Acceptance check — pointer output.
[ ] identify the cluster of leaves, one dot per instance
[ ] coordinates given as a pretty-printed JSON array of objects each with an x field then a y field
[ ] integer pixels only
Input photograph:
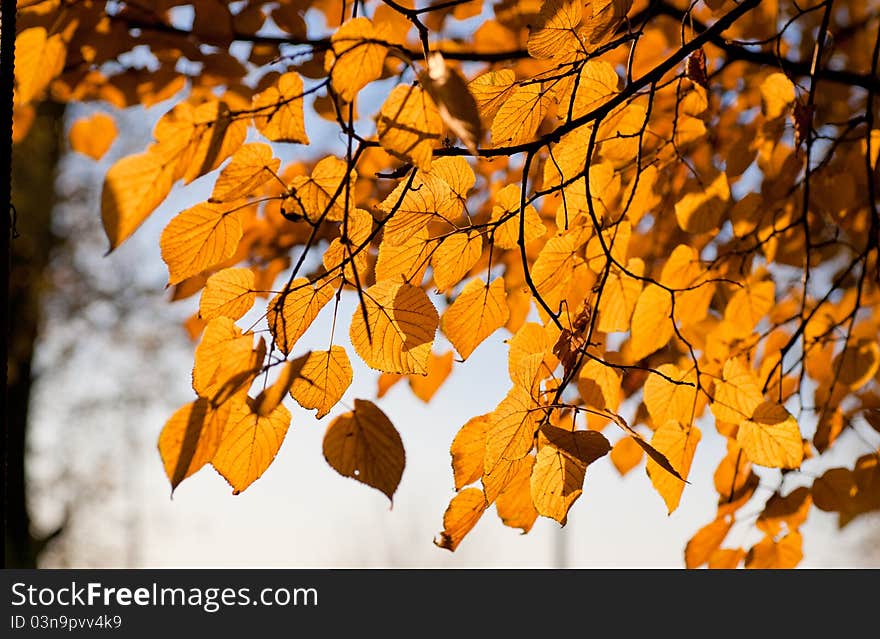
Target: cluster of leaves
[{"x": 661, "y": 206}]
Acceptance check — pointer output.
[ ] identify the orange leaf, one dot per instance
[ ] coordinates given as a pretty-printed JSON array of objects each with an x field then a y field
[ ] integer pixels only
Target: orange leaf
[
  {"x": 678, "y": 443},
  {"x": 512, "y": 429},
  {"x": 514, "y": 503},
  {"x": 439, "y": 368},
  {"x": 322, "y": 379},
  {"x": 462, "y": 514},
  {"x": 291, "y": 312},
  {"x": 190, "y": 438},
  {"x": 279, "y": 110},
  {"x": 476, "y": 313},
  {"x": 228, "y": 293},
  {"x": 771, "y": 554},
  {"x": 355, "y": 58},
  {"x": 92, "y": 136},
  {"x": 251, "y": 166},
  {"x": 364, "y": 445},
  {"x": 250, "y": 443},
  {"x": 409, "y": 125},
  {"x": 707, "y": 540},
  {"x": 199, "y": 238},
  {"x": 468, "y": 449}
]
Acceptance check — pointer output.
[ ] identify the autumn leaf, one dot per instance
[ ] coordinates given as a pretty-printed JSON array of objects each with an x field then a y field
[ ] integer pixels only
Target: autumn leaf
[
  {"x": 512, "y": 428},
  {"x": 707, "y": 540},
  {"x": 468, "y": 449},
  {"x": 251, "y": 166},
  {"x": 771, "y": 437},
  {"x": 291, "y": 312},
  {"x": 320, "y": 195},
  {"x": 777, "y": 93},
  {"x": 364, "y": 445},
  {"x": 321, "y": 380},
  {"x": 476, "y": 313},
  {"x": 671, "y": 400},
  {"x": 357, "y": 56},
  {"x": 555, "y": 34},
  {"x": 225, "y": 360},
  {"x": 228, "y": 293},
  {"x": 454, "y": 257},
  {"x": 514, "y": 503},
  {"x": 678, "y": 443},
  {"x": 93, "y": 136},
  {"x": 394, "y": 329},
  {"x": 278, "y": 111},
  {"x": 771, "y": 554},
  {"x": 133, "y": 188},
  {"x": 190, "y": 438},
  {"x": 439, "y": 367},
  {"x": 462, "y": 514},
  {"x": 250, "y": 443},
  {"x": 455, "y": 104},
  {"x": 199, "y": 238},
  {"x": 409, "y": 125},
  {"x": 39, "y": 58},
  {"x": 519, "y": 117},
  {"x": 491, "y": 90}
]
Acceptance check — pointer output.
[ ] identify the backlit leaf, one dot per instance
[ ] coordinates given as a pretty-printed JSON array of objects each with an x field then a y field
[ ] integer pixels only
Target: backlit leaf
[
  {"x": 251, "y": 166},
  {"x": 290, "y": 313},
  {"x": 707, "y": 540},
  {"x": 678, "y": 442},
  {"x": 228, "y": 293},
  {"x": 454, "y": 257},
  {"x": 771, "y": 437},
  {"x": 667, "y": 401},
  {"x": 278, "y": 111},
  {"x": 190, "y": 438},
  {"x": 462, "y": 514},
  {"x": 199, "y": 238},
  {"x": 249, "y": 445},
  {"x": 777, "y": 93},
  {"x": 468, "y": 449},
  {"x": 771, "y": 554},
  {"x": 555, "y": 33},
  {"x": 357, "y": 58},
  {"x": 364, "y": 445},
  {"x": 512, "y": 428},
  {"x": 475, "y": 314},
  {"x": 439, "y": 368},
  {"x": 518, "y": 119},
  {"x": 321, "y": 380},
  {"x": 39, "y": 58},
  {"x": 398, "y": 331},
  {"x": 409, "y": 125},
  {"x": 514, "y": 503},
  {"x": 652, "y": 326},
  {"x": 92, "y": 136}
]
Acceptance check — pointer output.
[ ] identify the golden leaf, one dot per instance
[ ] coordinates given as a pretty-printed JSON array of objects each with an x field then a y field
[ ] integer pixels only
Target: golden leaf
[
  {"x": 555, "y": 33},
  {"x": 491, "y": 90},
  {"x": 269, "y": 398},
  {"x": 701, "y": 212},
  {"x": 407, "y": 261},
  {"x": 514, "y": 503},
  {"x": 279, "y": 110},
  {"x": 439, "y": 368},
  {"x": 737, "y": 393},
  {"x": 506, "y": 213},
  {"x": 468, "y": 449},
  {"x": 678, "y": 442},
  {"x": 858, "y": 363},
  {"x": 133, "y": 188},
  {"x": 512, "y": 429},
  {"x": 707, "y": 540},
  {"x": 558, "y": 476},
  {"x": 652, "y": 325},
  {"x": 364, "y": 445},
  {"x": 456, "y": 105},
  {"x": 777, "y": 93},
  {"x": 462, "y": 514},
  {"x": 476, "y": 313},
  {"x": 455, "y": 257},
  {"x": 321, "y": 195},
  {"x": 394, "y": 329},
  {"x": 771, "y": 554},
  {"x": 518, "y": 119},
  {"x": 228, "y": 293},
  {"x": 503, "y": 475},
  {"x": 199, "y": 238},
  {"x": 250, "y": 443},
  {"x": 749, "y": 305},
  {"x": 619, "y": 297},
  {"x": 599, "y": 385},
  {"x": 225, "y": 360},
  {"x": 190, "y": 438},
  {"x": 356, "y": 58},
  {"x": 626, "y": 454},
  {"x": 667, "y": 401},
  {"x": 409, "y": 125},
  {"x": 92, "y": 136},
  {"x": 251, "y": 166},
  {"x": 771, "y": 437},
  {"x": 39, "y": 58},
  {"x": 322, "y": 379},
  {"x": 291, "y": 312}
]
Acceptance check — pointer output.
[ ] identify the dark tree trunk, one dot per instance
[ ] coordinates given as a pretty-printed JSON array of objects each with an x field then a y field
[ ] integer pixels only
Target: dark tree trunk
[{"x": 33, "y": 196}]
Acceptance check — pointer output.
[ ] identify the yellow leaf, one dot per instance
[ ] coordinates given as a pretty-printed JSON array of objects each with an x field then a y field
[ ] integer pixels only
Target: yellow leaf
[
  {"x": 737, "y": 393},
  {"x": 439, "y": 368},
  {"x": 749, "y": 305},
  {"x": 619, "y": 133},
  {"x": 468, "y": 449},
  {"x": 456, "y": 105},
  {"x": 667, "y": 401},
  {"x": 225, "y": 360},
  {"x": 462, "y": 514},
  {"x": 455, "y": 257},
  {"x": 364, "y": 445},
  {"x": 512, "y": 429},
  {"x": 190, "y": 438},
  {"x": 133, "y": 187},
  {"x": 249, "y": 445},
  {"x": 491, "y": 90},
  {"x": 476, "y": 313},
  {"x": 407, "y": 261},
  {"x": 652, "y": 326},
  {"x": 597, "y": 82},
  {"x": 291, "y": 312},
  {"x": 355, "y": 58},
  {"x": 322, "y": 379},
  {"x": 228, "y": 293},
  {"x": 558, "y": 476},
  {"x": 197, "y": 239},
  {"x": 777, "y": 93},
  {"x": 726, "y": 558},
  {"x": 251, "y": 166},
  {"x": 409, "y": 125},
  {"x": 92, "y": 136},
  {"x": 506, "y": 208},
  {"x": 555, "y": 32},
  {"x": 321, "y": 195},
  {"x": 393, "y": 330},
  {"x": 678, "y": 443},
  {"x": 619, "y": 297},
  {"x": 269, "y": 398},
  {"x": 514, "y": 503},
  {"x": 707, "y": 540},
  {"x": 771, "y": 554},
  {"x": 857, "y": 364},
  {"x": 626, "y": 454},
  {"x": 39, "y": 58},
  {"x": 429, "y": 199},
  {"x": 518, "y": 119},
  {"x": 359, "y": 226},
  {"x": 599, "y": 386},
  {"x": 771, "y": 437},
  {"x": 279, "y": 110},
  {"x": 701, "y": 212},
  {"x": 601, "y": 19}
]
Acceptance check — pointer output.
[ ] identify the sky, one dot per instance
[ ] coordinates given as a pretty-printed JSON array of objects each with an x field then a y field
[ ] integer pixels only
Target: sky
[{"x": 107, "y": 386}]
